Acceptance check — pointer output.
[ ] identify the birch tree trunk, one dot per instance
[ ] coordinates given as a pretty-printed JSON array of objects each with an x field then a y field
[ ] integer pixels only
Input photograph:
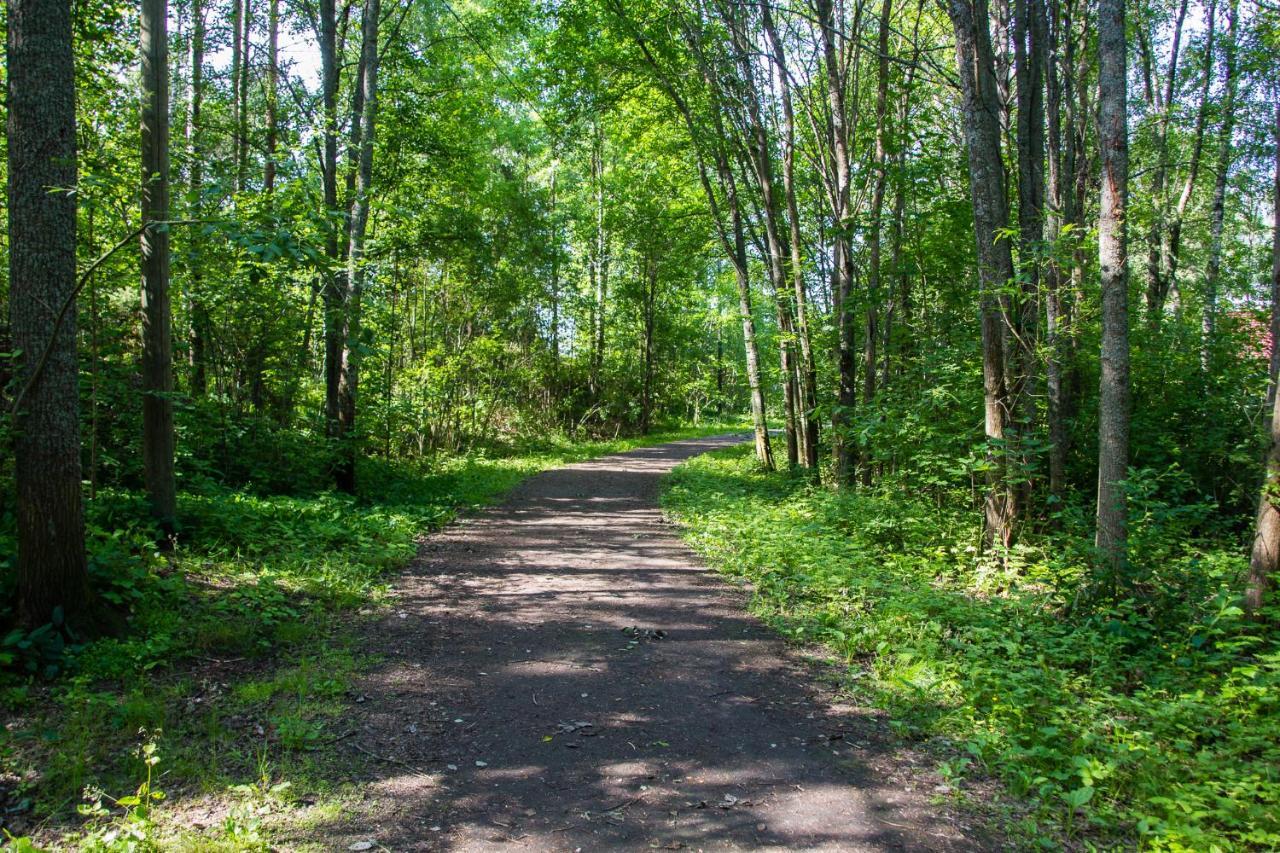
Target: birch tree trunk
[{"x": 1217, "y": 213}]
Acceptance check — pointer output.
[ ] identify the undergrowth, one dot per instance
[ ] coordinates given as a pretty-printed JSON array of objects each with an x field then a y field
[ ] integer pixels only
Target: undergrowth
[
  {"x": 238, "y": 656},
  {"x": 1152, "y": 718}
]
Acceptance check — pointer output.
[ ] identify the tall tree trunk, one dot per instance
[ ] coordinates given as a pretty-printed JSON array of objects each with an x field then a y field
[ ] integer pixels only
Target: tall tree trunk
[
  {"x": 199, "y": 342},
  {"x": 760, "y": 156},
  {"x": 1158, "y": 282},
  {"x": 1264, "y": 562},
  {"x": 843, "y": 448},
  {"x": 807, "y": 376},
  {"x": 995, "y": 261},
  {"x": 1029, "y": 61},
  {"x": 1113, "y": 399},
  {"x": 334, "y": 296},
  {"x": 730, "y": 233},
  {"x": 1217, "y": 215},
  {"x": 1275, "y": 273},
  {"x": 242, "y": 92},
  {"x": 51, "y": 568},
  {"x": 601, "y": 265},
  {"x": 273, "y": 85},
  {"x": 1058, "y": 91},
  {"x": 237, "y": 51},
  {"x": 877, "y": 217},
  {"x": 764, "y": 450},
  {"x": 1174, "y": 245},
  {"x": 357, "y": 270},
  {"x": 650, "y": 305},
  {"x": 157, "y": 343},
  {"x": 555, "y": 280}
]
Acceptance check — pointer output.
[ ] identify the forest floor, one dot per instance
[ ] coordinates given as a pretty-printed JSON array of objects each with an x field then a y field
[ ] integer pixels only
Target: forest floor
[{"x": 559, "y": 672}]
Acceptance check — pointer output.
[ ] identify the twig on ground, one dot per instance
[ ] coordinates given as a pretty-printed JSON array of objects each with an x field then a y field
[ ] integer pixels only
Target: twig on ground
[{"x": 417, "y": 771}]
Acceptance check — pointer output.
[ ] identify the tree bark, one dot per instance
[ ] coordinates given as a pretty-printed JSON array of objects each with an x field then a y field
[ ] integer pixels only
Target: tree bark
[
  {"x": 650, "y": 306},
  {"x": 51, "y": 567},
  {"x": 1157, "y": 281},
  {"x": 1113, "y": 401},
  {"x": 730, "y": 234},
  {"x": 601, "y": 265},
  {"x": 879, "y": 181},
  {"x": 1275, "y": 273},
  {"x": 199, "y": 341},
  {"x": 1058, "y": 214},
  {"x": 805, "y": 368},
  {"x": 357, "y": 270},
  {"x": 995, "y": 261},
  {"x": 334, "y": 297},
  {"x": 273, "y": 84},
  {"x": 242, "y": 93},
  {"x": 1264, "y": 562},
  {"x": 843, "y": 448},
  {"x": 157, "y": 343},
  {"x": 1174, "y": 245},
  {"x": 1029, "y": 68},
  {"x": 1217, "y": 213},
  {"x": 760, "y": 158}
]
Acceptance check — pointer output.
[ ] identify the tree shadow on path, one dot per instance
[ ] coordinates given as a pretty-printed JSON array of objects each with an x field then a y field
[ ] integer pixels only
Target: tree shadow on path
[{"x": 560, "y": 673}]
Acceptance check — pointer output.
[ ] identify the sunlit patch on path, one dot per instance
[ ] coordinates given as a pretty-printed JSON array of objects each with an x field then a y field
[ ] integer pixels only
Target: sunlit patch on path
[{"x": 561, "y": 673}]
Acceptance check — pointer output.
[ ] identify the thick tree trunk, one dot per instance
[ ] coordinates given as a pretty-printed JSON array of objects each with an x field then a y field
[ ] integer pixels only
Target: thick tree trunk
[
  {"x": 357, "y": 270},
  {"x": 1217, "y": 213},
  {"x": 1113, "y": 400},
  {"x": 51, "y": 568},
  {"x": 1264, "y": 562},
  {"x": 995, "y": 261},
  {"x": 157, "y": 343}
]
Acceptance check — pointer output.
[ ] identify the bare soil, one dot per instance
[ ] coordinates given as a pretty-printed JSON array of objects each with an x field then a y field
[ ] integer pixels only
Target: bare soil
[{"x": 561, "y": 673}]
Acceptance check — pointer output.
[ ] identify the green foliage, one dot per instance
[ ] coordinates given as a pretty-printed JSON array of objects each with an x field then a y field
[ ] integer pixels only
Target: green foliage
[{"x": 1154, "y": 717}]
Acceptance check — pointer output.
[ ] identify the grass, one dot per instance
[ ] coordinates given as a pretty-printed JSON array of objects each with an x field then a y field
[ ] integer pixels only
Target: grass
[
  {"x": 239, "y": 659},
  {"x": 1153, "y": 720}
]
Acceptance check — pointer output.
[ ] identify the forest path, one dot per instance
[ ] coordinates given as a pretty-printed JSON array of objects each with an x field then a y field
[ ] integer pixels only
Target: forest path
[{"x": 512, "y": 710}]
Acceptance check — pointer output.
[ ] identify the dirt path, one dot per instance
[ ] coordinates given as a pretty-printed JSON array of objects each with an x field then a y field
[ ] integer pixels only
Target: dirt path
[{"x": 512, "y": 709}]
